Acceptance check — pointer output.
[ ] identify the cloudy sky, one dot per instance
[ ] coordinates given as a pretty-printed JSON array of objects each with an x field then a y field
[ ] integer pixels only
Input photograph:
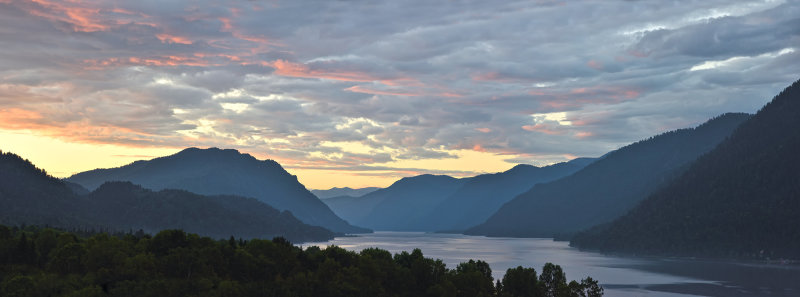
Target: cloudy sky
[{"x": 360, "y": 93}]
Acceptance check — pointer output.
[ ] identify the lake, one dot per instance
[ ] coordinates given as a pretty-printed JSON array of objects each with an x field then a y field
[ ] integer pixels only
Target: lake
[{"x": 620, "y": 276}]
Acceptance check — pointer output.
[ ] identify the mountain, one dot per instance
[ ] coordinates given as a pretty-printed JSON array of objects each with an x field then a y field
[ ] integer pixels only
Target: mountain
[
  {"x": 124, "y": 204},
  {"x": 76, "y": 188},
  {"x": 401, "y": 206},
  {"x": 352, "y": 208},
  {"x": 28, "y": 195},
  {"x": 607, "y": 188},
  {"x": 346, "y": 191},
  {"x": 482, "y": 195},
  {"x": 215, "y": 171},
  {"x": 456, "y": 204},
  {"x": 740, "y": 200}
]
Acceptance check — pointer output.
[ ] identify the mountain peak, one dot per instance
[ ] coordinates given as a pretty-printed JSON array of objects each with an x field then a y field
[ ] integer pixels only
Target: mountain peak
[
  {"x": 424, "y": 178},
  {"x": 522, "y": 166},
  {"x": 214, "y": 171},
  {"x": 212, "y": 152}
]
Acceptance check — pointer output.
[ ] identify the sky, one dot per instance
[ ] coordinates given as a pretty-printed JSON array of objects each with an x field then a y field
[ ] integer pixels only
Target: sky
[{"x": 362, "y": 93}]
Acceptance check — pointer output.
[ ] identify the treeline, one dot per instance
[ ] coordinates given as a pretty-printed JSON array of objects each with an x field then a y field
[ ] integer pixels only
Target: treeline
[
  {"x": 741, "y": 200},
  {"x": 28, "y": 195},
  {"x": 609, "y": 187},
  {"x": 48, "y": 262}
]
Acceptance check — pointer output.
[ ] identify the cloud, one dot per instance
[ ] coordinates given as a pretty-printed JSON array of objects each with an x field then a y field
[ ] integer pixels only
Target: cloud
[{"x": 402, "y": 81}]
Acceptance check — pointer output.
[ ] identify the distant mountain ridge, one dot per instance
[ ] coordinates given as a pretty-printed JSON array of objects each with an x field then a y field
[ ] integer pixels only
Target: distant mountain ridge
[
  {"x": 742, "y": 199},
  {"x": 482, "y": 195},
  {"x": 216, "y": 171},
  {"x": 443, "y": 203},
  {"x": 401, "y": 206},
  {"x": 345, "y": 191},
  {"x": 609, "y": 187},
  {"x": 29, "y": 196}
]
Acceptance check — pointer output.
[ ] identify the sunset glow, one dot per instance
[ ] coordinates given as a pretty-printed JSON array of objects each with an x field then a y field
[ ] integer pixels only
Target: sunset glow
[{"x": 362, "y": 95}]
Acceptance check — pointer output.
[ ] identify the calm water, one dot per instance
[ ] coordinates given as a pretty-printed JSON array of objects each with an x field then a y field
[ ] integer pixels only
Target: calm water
[{"x": 620, "y": 276}]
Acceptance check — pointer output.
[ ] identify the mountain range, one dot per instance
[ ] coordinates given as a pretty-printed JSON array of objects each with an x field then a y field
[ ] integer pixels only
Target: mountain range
[
  {"x": 403, "y": 205},
  {"x": 728, "y": 187},
  {"x": 482, "y": 195},
  {"x": 28, "y": 195},
  {"x": 216, "y": 171},
  {"x": 443, "y": 203},
  {"x": 607, "y": 188},
  {"x": 742, "y": 199},
  {"x": 345, "y": 191}
]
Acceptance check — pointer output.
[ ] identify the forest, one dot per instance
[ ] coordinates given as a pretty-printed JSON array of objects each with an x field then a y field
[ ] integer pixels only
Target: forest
[
  {"x": 28, "y": 195},
  {"x": 37, "y": 261},
  {"x": 741, "y": 200}
]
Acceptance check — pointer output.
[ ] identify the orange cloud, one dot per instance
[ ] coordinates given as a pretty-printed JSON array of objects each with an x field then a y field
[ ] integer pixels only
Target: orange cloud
[
  {"x": 584, "y": 134},
  {"x": 359, "y": 89},
  {"x": 494, "y": 76},
  {"x": 227, "y": 26},
  {"x": 17, "y": 118},
  {"x": 450, "y": 94},
  {"x": 13, "y": 94},
  {"x": 488, "y": 76},
  {"x": 165, "y": 61},
  {"x": 542, "y": 128},
  {"x": 587, "y": 95},
  {"x": 483, "y": 130},
  {"x": 82, "y": 131},
  {"x": 168, "y": 38},
  {"x": 286, "y": 68},
  {"x": 80, "y": 17},
  {"x": 594, "y": 65}
]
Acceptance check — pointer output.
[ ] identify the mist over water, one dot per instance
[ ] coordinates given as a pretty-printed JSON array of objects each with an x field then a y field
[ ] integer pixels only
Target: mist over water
[{"x": 620, "y": 276}]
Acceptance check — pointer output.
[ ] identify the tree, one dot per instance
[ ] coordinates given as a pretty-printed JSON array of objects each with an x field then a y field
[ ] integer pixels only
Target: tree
[
  {"x": 590, "y": 288},
  {"x": 553, "y": 281},
  {"x": 473, "y": 278},
  {"x": 519, "y": 282},
  {"x": 68, "y": 259}
]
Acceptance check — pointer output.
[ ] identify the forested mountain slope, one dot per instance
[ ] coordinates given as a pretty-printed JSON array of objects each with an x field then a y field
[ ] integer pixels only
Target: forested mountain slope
[
  {"x": 28, "y": 195},
  {"x": 609, "y": 187},
  {"x": 224, "y": 172},
  {"x": 740, "y": 200}
]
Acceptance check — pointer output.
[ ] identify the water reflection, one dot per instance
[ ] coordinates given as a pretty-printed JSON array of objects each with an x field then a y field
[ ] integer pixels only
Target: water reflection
[{"x": 620, "y": 276}]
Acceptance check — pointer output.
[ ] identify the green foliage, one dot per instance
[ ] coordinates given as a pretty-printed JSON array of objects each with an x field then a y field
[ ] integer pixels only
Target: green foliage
[
  {"x": 520, "y": 282},
  {"x": 47, "y": 262}
]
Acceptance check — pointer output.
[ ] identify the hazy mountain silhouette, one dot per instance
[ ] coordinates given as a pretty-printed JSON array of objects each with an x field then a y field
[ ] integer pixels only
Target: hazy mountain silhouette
[
  {"x": 455, "y": 204},
  {"x": 482, "y": 195},
  {"x": 124, "y": 204},
  {"x": 346, "y": 191},
  {"x": 224, "y": 172},
  {"x": 28, "y": 195},
  {"x": 401, "y": 206},
  {"x": 76, "y": 188},
  {"x": 607, "y": 188},
  {"x": 740, "y": 200},
  {"x": 352, "y": 208}
]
